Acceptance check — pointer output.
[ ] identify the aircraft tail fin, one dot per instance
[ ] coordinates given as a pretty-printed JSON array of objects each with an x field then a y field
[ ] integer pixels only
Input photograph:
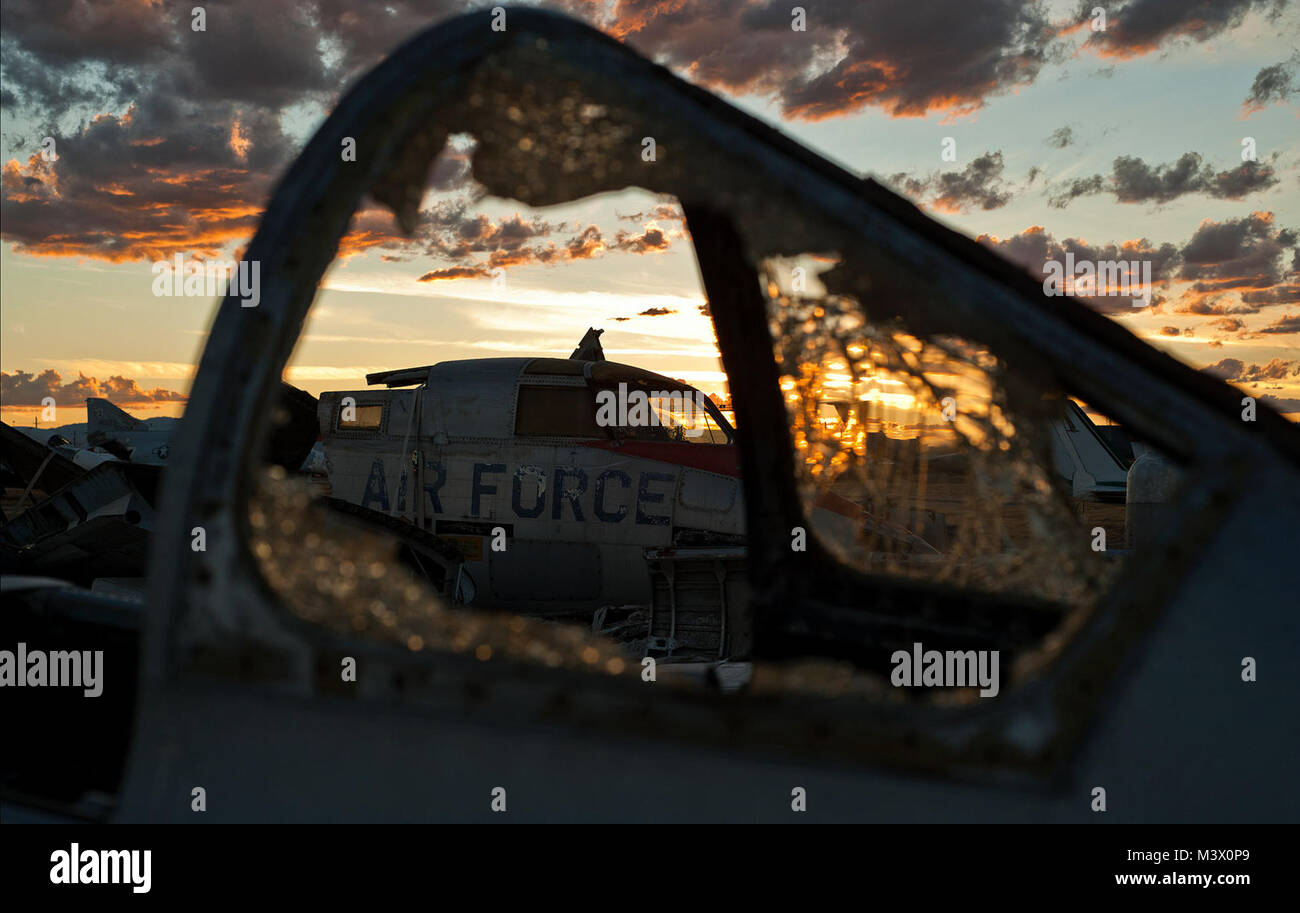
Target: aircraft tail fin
[
  {"x": 1084, "y": 456},
  {"x": 101, "y": 415}
]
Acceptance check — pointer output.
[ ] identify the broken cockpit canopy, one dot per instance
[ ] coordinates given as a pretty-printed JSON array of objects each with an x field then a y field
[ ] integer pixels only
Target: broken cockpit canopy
[
  {"x": 863, "y": 527},
  {"x": 560, "y": 113},
  {"x": 935, "y": 434}
]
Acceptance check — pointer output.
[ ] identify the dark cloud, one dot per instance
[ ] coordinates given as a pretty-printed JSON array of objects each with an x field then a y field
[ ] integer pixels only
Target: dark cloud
[
  {"x": 906, "y": 59},
  {"x": 454, "y": 272},
  {"x": 1226, "y": 369},
  {"x": 185, "y": 161},
  {"x": 656, "y": 312},
  {"x": 652, "y": 239},
  {"x": 1139, "y": 27},
  {"x": 907, "y": 185},
  {"x": 144, "y": 185},
  {"x": 586, "y": 245},
  {"x": 1275, "y": 84},
  {"x": 1227, "y": 324},
  {"x": 1211, "y": 305},
  {"x": 189, "y": 163},
  {"x": 1284, "y": 294},
  {"x": 1288, "y": 324},
  {"x": 1034, "y": 247},
  {"x": 1280, "y": 403},
  {"x": 979, "y": 184},
  {"x": 1246, "y": 178},
  {"x": 1237, "y": 255},
  {"x": 1278, "y": 369},
  {"x": 186, "y": 157},
  {"x": 668, "y": 211},
  {"x": 1226, "y": 268},
  {"x": 452, "y": 235},
  {"x": 23, "y": 389},
  {"x": 1170, "y": 331},
  {"x": 1134, "y": 181},
  {"x": 1061, "y": 137},
  {"x": 1079, "y": 187}
]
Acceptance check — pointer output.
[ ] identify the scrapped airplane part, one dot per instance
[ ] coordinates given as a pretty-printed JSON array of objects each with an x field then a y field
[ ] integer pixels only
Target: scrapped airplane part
[
  {"x": 293, "y": 428},
  {"x": 97, "y": 525},
  {"x": 430, "y": 558},
  {"x": 114, "y": 433},
  {"x": 36, "y": 466},
  {"x": 124, "y": 589},
  {"x": 589, "y": 347},
  {"x": 1085, "y": 459},
  {"x": 1151, "y": 494},
  {"x": 89, "y": 459},
  {"x": 124, "y": 436},
  {"x": 96, "y": 521},
  {"x": 232, "y": 663},
  {"x": 13, "y": 583},
  {"x": 103, "y": 416},
  {"x": 700, "y": 604},
  {"x": 699, "y": 612}
]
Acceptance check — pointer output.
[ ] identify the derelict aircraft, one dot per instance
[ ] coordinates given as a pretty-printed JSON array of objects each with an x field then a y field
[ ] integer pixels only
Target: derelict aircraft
[
  {"x": 555, "y": 513},
  {"x": 515, "y": 444},
  {"x": 112, "y": 433}
]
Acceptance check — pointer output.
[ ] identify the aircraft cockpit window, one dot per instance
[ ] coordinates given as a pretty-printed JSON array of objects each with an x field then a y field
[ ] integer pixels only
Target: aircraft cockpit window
[
  {"x": 556, "y": 412},
  {"x": 678, "y": 416},
  {"x": 361, "y": 418}
]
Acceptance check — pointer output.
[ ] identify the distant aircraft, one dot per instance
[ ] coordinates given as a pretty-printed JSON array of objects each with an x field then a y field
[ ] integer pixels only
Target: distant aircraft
[
  {"x": 108, "y": 434},
  {"x": 1085, "y": 459},
  {"x": 111, "y": 433},
  {"x": 111, "y": 429},
  {"x": 85, "y": 512},
  {"x": 554, "y": 511}
]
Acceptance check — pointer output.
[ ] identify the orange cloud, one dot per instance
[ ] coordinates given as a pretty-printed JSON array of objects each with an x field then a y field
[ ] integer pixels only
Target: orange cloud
[{"x": 24, "y": 389}]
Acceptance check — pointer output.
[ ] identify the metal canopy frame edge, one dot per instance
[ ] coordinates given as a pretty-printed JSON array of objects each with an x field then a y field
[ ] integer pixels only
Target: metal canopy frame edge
[{"x": 219, "y": 595}]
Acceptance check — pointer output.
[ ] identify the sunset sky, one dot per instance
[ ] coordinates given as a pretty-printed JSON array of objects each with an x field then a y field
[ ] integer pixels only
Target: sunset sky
[{"x": 1125, "y": 143}]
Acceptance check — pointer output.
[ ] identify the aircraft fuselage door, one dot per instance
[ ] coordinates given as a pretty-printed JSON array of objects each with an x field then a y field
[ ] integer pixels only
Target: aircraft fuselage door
[
  {"x": 549, "y": 561},
  {"x": 431, "y": 474}
]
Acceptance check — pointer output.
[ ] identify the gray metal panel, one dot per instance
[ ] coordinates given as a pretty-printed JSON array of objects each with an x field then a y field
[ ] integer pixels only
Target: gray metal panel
[{"x": 476, "y": 396}]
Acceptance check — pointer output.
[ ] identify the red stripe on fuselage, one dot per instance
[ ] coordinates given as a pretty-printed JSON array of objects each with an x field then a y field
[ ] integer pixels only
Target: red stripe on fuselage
[
  {"x": 718, "y": 458},
  {"x": 722, "y": 459}
]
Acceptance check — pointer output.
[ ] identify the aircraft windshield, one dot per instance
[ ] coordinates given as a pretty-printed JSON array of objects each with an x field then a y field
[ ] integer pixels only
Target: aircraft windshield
[
  {"x": 682, "y": 415},
  {"x": 685, "y": 420}
]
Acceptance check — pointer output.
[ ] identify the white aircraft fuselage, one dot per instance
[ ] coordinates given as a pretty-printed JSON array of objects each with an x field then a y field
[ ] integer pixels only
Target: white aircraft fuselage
[{"x": 553, "y": 512}]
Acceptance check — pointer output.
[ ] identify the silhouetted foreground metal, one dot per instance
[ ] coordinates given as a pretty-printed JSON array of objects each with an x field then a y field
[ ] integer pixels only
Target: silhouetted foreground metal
[{"x": 236, "y": 694}]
